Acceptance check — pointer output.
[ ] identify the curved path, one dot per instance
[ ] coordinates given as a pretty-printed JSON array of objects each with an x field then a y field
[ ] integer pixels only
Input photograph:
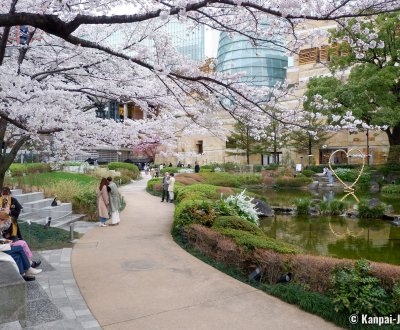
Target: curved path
[{"x": 134, "y": 276}]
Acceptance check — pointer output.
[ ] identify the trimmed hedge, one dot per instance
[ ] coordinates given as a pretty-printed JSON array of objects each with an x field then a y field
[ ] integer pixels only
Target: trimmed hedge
[
  {"x": 131, "y": 169},
  {"x": 236, "y": 222},
  {"x": 252, "y": 241},
  {"x": 229, "y": 180},
  {"x": 197, "y": 191},
  {"x": 170, "y": 170}
]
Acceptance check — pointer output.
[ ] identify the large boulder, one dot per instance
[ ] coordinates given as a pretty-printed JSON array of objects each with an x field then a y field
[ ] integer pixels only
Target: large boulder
[
  {"x": 374, "y": 187},
  {"x": 263, "y": 208},
  {"x": 373, "y": 203}
]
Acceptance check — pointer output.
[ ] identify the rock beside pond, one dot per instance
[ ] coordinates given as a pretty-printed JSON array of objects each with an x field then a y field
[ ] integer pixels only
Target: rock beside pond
[
  {"x": 264, "y": 209},
  {"x": 313, "y": 186},
  {"x": 374, "y": 187},
  {"x": 352, "y": 214},
  {"x": 373, "y": 203},
  {"x": 389, "y": 209},
  {"x": 313, "y": 210}
]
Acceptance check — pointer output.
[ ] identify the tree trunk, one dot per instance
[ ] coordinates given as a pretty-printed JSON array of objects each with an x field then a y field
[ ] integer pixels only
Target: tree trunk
[
  {"x": 394, "y": 145},
  {"x": 309, "y": 149}
]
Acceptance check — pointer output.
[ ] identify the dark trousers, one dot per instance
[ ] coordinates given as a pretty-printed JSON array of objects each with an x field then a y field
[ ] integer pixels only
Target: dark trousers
[
  {"x": 165, "y": 195},
  {"x": 20, "y": 258}
]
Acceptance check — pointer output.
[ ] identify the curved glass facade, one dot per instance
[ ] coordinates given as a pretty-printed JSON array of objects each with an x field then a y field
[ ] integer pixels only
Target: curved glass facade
[{"x": 264, "y": 65}]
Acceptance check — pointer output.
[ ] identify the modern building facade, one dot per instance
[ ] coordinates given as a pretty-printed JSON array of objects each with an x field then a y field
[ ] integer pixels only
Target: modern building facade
[{"x": 265, "y": 65}]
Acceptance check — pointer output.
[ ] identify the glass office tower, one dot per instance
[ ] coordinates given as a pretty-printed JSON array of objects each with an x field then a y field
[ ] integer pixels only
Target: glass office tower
[{"x": 264, "y": 65}]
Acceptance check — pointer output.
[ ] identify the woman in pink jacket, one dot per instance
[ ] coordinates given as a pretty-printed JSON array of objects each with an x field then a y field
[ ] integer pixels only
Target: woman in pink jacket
[{"x": 102, "y": 202}]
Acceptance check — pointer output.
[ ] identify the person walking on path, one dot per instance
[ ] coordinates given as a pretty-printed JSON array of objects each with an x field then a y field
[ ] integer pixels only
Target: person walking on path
[
  {"x": 103, "y": 202},
  {"x": 196, "y": 167},
  {"x": 115, "y": 201},
  {"x": 165, "y": 194},
  {"x": 171, "y": 184}
]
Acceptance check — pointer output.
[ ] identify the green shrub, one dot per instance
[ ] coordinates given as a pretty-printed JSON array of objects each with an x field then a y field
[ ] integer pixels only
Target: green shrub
[
  {"x": 323, "y": 207},
  {"x": 320, "y": 168},
  {"x": 131, "y": 169},
  {"x": 194, "y": 211},
  {"x": 170, "y": 170},
  {"x": 391, "y": 189},
  {"x": 337, "y": 207},
  {"x": 396, "y": 297},
  {"x": 224, "y": 208},
  {"x": 351, "y": 175},
  {"x": 302, "y": 205},
  {"x": 236, "y": 222},
  {"x": 298, "y": 181},
  {"x": 308, "y": 173},
  {"x": 221, "y": 179},
  {"x": 356, "y": 291},
  {"x": 271, "y": 167},
  {"x": 248, "y": 179},
  {"x": 207, "y": 167},
  {"x": 86, "y": 203},
  {"x": 121, "y": 180},
  {"x": 32, "y": 168},
  {"x": 152, "y": 182},
  {"x": 207, "y": 170},
  {"x": 367, "y": 212},
  {"x": 258, "y": 168},
  {"x": 197, "y": 191},
  {"x": 252, "y": 241}
]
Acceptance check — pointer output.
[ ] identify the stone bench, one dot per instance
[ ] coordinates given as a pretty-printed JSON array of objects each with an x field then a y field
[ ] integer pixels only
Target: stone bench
[{"x": 12, "y": 295}]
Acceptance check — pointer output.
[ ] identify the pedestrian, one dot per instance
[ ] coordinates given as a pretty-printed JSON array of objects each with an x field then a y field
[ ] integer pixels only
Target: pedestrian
[
  {"x": 102, "y": 202},
  {"x": 115, "y": 201},
  {"x": 171, "y": 184},
  {"x": 152, "y": 172},
  {"x": 165, "y": 194},
  {"x": 196, "y": 167},
  {"x": 170, "y": 165}
]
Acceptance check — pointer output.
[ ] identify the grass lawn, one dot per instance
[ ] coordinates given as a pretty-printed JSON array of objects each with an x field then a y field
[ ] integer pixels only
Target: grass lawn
[{"x": 39, "y": 238}]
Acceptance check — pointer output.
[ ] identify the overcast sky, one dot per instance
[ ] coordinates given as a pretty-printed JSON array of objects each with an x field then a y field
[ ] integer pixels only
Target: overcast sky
[{"x": 211, "y": 36}]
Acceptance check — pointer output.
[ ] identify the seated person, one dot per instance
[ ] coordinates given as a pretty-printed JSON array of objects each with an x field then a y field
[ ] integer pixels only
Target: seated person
[
  {"x": 13, "y": 207},
  {"x": 5, "y": 224},
  {"x": 20, "y": 258}
]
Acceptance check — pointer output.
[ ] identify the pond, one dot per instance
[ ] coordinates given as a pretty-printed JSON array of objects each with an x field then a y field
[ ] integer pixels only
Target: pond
[{"x": 341, "y": 237}]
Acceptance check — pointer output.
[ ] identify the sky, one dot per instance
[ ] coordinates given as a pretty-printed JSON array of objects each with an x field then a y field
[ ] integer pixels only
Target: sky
[{"x": 211, "y": 36}]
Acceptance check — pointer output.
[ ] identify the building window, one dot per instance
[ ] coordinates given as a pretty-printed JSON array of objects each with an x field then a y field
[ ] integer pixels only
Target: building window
[
  {"x": 199, "y": 146},
  {"x": 309, "y": 55}
]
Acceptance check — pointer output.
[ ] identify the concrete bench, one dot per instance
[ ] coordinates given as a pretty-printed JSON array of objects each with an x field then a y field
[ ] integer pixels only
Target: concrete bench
[{"x": 13, "y": 294}]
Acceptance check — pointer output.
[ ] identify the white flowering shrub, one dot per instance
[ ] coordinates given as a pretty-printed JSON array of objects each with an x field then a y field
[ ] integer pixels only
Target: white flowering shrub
[{"x": 244, "y": 206}]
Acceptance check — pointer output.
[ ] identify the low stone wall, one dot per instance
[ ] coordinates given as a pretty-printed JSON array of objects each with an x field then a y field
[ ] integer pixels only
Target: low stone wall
[{"x": 12, "y": 295}]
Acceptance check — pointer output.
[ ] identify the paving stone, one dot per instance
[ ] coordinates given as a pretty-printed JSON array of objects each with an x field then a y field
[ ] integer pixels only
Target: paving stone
[
  {"x": 68, "y": 312},
  {"x": 90, "y": 324},
  {"x": 42, "y": 311},
  {"x": 10, "y": 326},
  {"x": 82, "y": 312},
  {"x": 35, "y": 291}
]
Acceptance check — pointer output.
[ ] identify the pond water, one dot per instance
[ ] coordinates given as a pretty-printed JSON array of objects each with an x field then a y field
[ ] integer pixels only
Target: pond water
[{"x": 341, "y": 237}]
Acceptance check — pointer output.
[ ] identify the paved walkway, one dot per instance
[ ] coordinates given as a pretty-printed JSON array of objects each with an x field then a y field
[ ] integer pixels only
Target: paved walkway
[{"x": 134, "y": 276}]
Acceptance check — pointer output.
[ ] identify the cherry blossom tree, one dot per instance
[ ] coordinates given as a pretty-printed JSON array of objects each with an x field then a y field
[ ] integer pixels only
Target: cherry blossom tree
[{"x": 66, "y": 65}]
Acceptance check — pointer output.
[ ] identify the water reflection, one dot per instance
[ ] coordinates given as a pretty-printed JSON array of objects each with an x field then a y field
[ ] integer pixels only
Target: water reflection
[{"x": 338, "y": 236}]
